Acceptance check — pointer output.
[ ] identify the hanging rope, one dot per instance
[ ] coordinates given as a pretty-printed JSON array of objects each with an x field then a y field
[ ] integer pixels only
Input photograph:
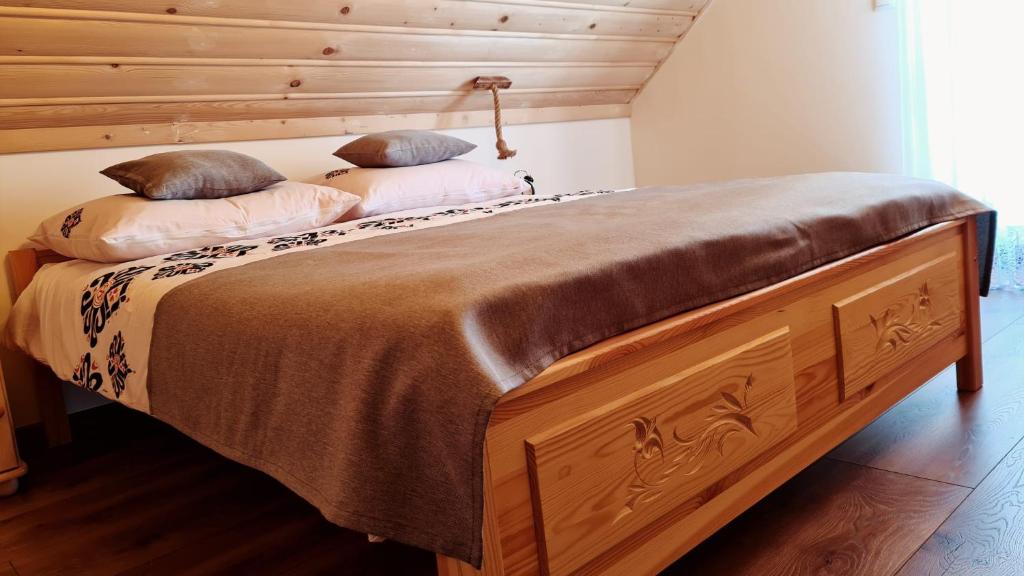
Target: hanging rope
[{"x": 504, "y": 152}]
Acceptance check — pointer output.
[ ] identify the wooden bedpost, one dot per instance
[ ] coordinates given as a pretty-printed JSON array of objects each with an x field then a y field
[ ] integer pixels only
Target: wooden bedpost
[
  {"x": 968, "y": 368},
  {"x": 24, "y": 265}
]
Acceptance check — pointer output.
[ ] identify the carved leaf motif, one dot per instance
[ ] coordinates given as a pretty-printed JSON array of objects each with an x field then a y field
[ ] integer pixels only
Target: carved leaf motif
[
  {"x": 648, "y": 438},
  {"x": 732, "y": 401},
  {"x": 892, "y": 332},
  {"x": 726, "y": 421}
]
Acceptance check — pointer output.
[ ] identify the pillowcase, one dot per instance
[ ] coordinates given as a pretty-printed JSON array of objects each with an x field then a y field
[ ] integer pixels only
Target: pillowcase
[
  {"x": 189, "y": 174},
  {"x": 402, "y": 148},
  {"x": 128, "y": 227},
  {"x": 447, "y": 183}
]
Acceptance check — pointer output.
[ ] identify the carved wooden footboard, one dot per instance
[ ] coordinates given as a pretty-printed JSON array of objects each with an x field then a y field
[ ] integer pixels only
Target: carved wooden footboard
[{"x": 621, "y": 458}]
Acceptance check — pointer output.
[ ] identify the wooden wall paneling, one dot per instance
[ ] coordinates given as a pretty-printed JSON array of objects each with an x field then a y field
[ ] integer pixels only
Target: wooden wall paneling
[
  {"x": 98, "y": 73},
  {"x": 689, "y": 5},
  {"x": 57, "y": 80},
  {"x": 505, "y": 16},
  {"x": 223, "y": 108},
  {"x": 198, "y": 38},
  {"x": 79, "y": 137}
]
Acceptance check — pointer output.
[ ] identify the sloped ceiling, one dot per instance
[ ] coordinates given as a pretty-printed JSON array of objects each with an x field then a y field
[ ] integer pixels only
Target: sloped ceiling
[{"x": 96, "y": 73}]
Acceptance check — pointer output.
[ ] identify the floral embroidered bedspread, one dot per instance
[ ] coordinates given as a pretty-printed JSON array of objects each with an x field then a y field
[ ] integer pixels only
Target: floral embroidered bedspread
[{"x": 92, "y": 322}]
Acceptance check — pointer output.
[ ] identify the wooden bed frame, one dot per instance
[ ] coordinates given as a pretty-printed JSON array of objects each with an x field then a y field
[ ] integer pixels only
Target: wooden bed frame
[{"x": 622, "y": 457}]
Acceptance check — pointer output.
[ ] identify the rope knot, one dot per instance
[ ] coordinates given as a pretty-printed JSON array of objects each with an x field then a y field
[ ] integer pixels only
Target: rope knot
[{"x": 504, "y": 152}]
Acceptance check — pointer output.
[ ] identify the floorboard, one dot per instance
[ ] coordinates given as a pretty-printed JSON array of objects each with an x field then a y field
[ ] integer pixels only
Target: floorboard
[
  {"x": 1000, "y": 309},
  {"x": 131, "y": 496},
  {"x": 833, "y": 518},
  {"x": 985, "y": 536},
  {"x": 956, "y": 438}
]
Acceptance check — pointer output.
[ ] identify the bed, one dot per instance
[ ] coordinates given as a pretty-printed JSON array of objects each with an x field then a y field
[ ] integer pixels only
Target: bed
[{"x": 626, "y": 453}]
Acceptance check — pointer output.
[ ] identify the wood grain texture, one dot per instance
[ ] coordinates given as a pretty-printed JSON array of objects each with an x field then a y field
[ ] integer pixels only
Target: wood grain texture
[
  {"x": 222, "y": 108},
  {"x": 999, "y": 310},
  {"x": 75, "y": 137},
  {"x": 882, "y": 327},
  {"x": 969, "y": 373},
  {"x": 55, "y": 80},
  {"x": 23, "y": 265},
  {"x": 529, "y": 16},
  {"x": 915, "y": 437},
  {"x": 833, "y": 518},
  {"x": 608, "y": 473},
  {"x": 313, "y": 59},
  {"x": 685, "y": 528},
  {"x": 621, "y": 366},
  {"x": 8, "y": 451},
  {"x": 698, "y": 323},
  {"x": 134, "y": 497},
  {"x": 985, "y": 536},
  {"x": 36, "y": 37}
]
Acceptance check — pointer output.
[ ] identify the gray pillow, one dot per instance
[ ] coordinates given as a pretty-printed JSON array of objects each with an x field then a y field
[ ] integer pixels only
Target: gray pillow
[
  {"x": 194, "y": 174},
  {"x": 402, "y": 148}
]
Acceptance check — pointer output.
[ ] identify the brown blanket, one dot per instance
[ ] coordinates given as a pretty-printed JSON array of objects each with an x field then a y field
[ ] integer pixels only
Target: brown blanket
[{"x": 362, "y": 375}]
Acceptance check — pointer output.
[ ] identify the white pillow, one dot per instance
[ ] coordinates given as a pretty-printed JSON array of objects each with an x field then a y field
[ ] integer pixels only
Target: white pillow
[
  {"x": 129, "y": 227},
  {"x": 445, "y": 183}
]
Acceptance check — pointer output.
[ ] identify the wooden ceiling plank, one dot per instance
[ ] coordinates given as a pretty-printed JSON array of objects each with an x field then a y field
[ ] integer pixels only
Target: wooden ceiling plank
[
  {"x": 107, "y": 16},
  {"x": 70, "y": 80},
  {"x": 168, "y": 99},
  {"x": 591, "y": 7},
  {"x": 98, "y": 73},
  {"x": 118, "y": 61},
  {"x": 436, "y": 15},
  {"x": 679, "y": 5},
  {"x": 33, "y": 37},
  {"x": 20, "y": 117},
  {"x": 83, "y": 137}
]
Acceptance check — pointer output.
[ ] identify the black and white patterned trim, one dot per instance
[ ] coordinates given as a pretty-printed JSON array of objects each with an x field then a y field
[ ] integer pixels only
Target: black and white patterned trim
[
  {"x": 304, "y": 239},
  {"x": 181, "y": 269},
  {"x": 212, "y": 253},
  {"x": 72, "y": 220},
  {"x": 103, "y": 298}
]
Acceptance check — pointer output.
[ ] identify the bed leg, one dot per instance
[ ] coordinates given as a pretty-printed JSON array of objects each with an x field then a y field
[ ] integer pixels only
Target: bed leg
[
  {"x": 968, "y": 368},
  {"x": 52, "y": 410},
  {"x": 8, "y": 487},
  {"x": 9, "y": 480}
]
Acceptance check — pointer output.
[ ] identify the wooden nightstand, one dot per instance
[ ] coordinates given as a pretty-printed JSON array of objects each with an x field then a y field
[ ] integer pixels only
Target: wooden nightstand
[{"x": 11, "y": 467}]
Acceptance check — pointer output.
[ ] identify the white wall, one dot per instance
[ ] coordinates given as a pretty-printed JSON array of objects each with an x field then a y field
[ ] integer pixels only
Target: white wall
[
  {"x": 769, "y": 87},
  {"x": 562, "y": 157}
]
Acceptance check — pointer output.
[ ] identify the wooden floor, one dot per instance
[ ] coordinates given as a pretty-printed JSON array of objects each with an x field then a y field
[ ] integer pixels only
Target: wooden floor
[{"x": 935, "y": 486}]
